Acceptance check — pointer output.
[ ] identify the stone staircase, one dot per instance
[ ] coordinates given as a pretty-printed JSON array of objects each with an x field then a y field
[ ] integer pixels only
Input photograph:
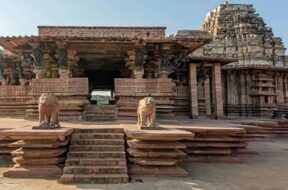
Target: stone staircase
[
  {"x": 99, "y": 113},
  {"x": 96, "y": 156},
  {"x": 13, "y": 110}
]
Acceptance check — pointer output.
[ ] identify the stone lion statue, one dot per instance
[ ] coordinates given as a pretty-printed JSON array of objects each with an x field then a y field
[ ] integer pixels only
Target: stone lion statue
[
  {"x": 48, "y": 111},
  {"x": 146, "y": 112}
]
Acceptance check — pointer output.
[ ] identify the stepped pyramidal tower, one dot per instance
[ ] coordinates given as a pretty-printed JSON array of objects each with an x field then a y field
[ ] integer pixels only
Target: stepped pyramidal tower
[
  {"x": 240, "y": 33},
  {"x": 255, "y": 84}
]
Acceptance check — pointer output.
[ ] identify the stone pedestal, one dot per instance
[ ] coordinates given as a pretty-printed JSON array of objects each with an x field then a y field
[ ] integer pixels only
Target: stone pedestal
[
  {"x": 3, "y": 82},
  {"x": 64, "y": 73},
  {"x": 39, "y": 151},
  {"x": 39, "y": 73},
  {"x": 156, "y": 152},
  {"x": 24, "y": 82},
  {"x": 164, "y": 74},
  {"x": 138, "y": 73}
]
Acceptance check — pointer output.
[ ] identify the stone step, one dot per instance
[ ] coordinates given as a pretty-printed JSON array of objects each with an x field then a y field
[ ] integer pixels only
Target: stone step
[
  {"x": 77, "y": 136},
  {"x": 102, "y": 130},
  {"x": 102, "y": 112},
  {"x": 93, "y": 118},
  {"x": 96, "y": 148},
  {"x": 94, "y": 154},
  {"x": 96, "y": 161},
  {"x": 97, "y": 141},
  {"x": 95, "y": 170},
  {"x": 94, "y": 178}
]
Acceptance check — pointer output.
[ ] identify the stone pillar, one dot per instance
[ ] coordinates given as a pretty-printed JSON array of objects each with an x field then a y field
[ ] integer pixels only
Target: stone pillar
[
  {"x": 193, "y": 90},
  {"x": 164, "y": 52},
  {"x": 218, "y": 99},
  {"x": 37, "y": 50},
  {"x": 139, "y": 59},
  {"x": 2, "y": 79},
  {"x": 62, "y": 55},
  {"x": 207, "y": 97},
  {"x": 280, "y": 90}
]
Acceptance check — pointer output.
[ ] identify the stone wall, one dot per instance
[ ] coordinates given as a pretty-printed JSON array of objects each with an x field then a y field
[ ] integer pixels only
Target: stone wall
[
  {"x": 71, "y": 93},
  {"x": 103, "y": 32}
]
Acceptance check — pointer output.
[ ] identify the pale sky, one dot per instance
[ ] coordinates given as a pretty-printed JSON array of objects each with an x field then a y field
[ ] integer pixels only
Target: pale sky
[{"x": 21, "y": 17}]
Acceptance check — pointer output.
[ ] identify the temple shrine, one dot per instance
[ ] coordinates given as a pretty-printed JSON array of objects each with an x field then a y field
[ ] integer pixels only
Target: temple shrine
[
  {"x": 127, "y": 63},
  {"x": 233, "y": 66}
]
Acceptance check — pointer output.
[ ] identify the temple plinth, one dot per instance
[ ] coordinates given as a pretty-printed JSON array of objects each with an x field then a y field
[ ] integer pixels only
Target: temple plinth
[{"x": 38, "y": 152}]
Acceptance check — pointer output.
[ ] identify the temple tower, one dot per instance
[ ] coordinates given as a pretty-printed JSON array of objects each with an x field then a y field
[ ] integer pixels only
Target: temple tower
[{"x": 255, "y": 84}]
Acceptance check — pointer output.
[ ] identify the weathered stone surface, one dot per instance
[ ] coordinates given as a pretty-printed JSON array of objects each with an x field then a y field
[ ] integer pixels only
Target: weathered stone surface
[
  {"x": 48, "y": 109},
  {"x": 215, "y": 158},
  {"x": 156, "y": 153},
  {"x": 102, "y": 32},
  {"x": 94, "y": 178},
  {"x": 96, "y": 156},
  {"x": 27, "y": 133},
  {"x": 39, "y": 144},
  {"x": 155, "y": 161},
  {"x": 34, "y": 171},
  {"x": 158, "y": 135},
  {"x": 146, "y": 112},
  {"x": 155, "y": 145},
  {"x": 172, "y": 171},
  {"x": 38, "y": 152},
  {"x": 37, "y": 161}
]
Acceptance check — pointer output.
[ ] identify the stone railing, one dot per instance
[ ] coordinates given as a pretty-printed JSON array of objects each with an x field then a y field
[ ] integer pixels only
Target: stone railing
[
  {"x": 61, "y": 87},
  {"x": 70, "y": 86},
  {"x": 145, "y": 87},
  {"x": 12, "y": 91}
]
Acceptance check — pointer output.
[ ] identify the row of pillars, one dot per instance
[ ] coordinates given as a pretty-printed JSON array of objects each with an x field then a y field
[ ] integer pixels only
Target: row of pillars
[
  {"x": 216, "y": 89},
  {"x": 41, "y": 55}
]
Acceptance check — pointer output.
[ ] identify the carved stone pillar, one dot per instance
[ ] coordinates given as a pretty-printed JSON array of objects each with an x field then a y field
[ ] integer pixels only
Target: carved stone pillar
[
  {"x": 193, "y": 90},
  {"x": 218, "y": 99},
  {"x": 280, "y": 90},
  {"x": 37, "y": 50},
  {"x": 139, "y": 59},
  {"x": 2, "y": 79},
  {"x": 164, "y": 53},
  {"x": 207, "y": 97},
  {"x": 62, "y": 55}
]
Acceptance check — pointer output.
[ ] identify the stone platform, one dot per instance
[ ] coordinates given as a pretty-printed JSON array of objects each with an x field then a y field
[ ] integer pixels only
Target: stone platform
[
  {"x": 38, "y": 153},
  {"x": 156, "y": 152}
]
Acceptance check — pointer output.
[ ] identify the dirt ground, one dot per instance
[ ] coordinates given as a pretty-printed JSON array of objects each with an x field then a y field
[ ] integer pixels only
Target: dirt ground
[{"x": 267, "y": 170}]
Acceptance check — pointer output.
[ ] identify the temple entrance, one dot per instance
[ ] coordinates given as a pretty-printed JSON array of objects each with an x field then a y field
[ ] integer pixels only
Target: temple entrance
[{"x": 101, "y": 78}]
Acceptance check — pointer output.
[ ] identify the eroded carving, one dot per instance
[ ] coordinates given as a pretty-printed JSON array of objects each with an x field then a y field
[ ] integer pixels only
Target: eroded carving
[
  {"x": 48, "y": 112},
  {"x": 146, "y": 112}
]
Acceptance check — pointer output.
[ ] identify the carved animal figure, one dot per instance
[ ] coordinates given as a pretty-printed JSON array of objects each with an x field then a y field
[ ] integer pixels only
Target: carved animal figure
[
  {"x": 48, "y": 111},
  {"x": 146, "y": 112}
]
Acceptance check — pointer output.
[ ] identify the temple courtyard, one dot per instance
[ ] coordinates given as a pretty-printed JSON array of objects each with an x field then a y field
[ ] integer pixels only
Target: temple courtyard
[{"x": 265, "y": 167}]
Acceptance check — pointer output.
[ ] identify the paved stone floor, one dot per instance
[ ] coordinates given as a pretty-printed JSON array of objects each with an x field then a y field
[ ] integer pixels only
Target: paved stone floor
[{"x": 268, "y": 170}]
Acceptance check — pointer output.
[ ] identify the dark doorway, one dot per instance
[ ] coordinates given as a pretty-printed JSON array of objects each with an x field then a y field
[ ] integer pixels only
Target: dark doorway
[{"x": 102, "y": 79}]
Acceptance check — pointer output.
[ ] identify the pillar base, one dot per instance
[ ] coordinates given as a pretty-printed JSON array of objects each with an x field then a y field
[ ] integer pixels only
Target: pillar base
[{"x": 64, "y": 73}]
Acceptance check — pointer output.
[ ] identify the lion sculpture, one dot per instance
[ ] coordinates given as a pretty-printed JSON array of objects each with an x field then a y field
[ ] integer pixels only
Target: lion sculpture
[
  {"x": 48, "y": 112},
  {"x": 146, "y": 112}
]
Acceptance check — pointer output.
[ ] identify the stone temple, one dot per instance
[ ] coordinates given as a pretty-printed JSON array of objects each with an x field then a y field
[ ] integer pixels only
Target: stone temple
[{"x": 233, "y": 66}]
